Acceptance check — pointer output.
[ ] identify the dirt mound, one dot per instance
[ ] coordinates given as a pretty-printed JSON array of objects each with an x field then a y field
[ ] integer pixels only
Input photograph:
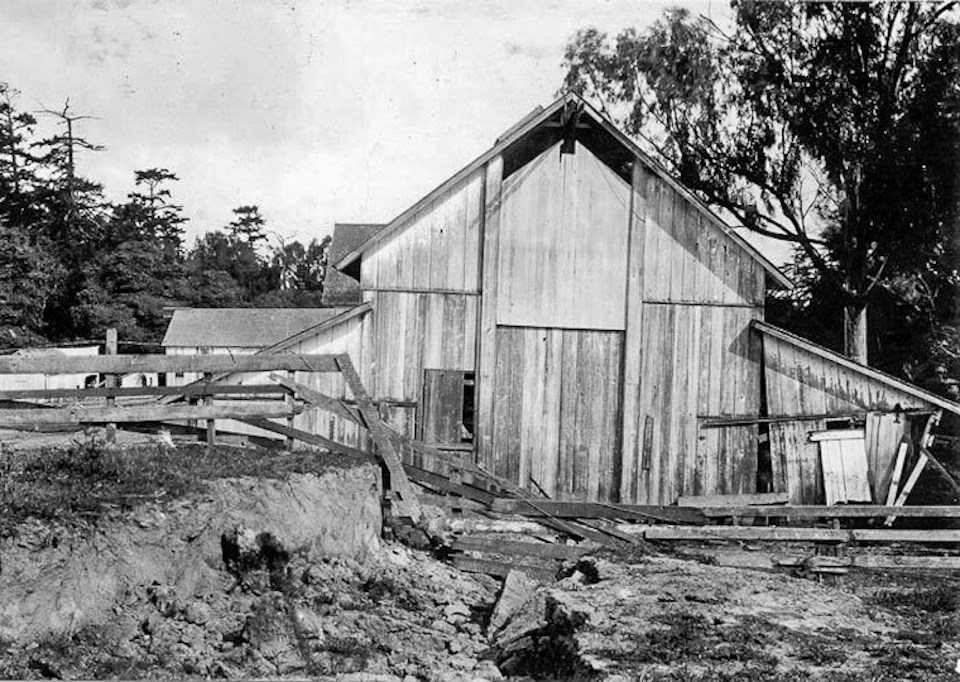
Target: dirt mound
[{"x": 60, "y": 578}]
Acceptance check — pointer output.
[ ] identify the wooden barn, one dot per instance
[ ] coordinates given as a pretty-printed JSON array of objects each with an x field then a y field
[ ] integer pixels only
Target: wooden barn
[{"x": 564, "y": 312}]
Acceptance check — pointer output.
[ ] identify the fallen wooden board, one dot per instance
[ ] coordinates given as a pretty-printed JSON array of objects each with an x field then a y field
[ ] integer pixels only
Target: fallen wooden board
[
  {"x": 777, "y": 534},
  {"x": 398, "y": 482},
  {"x": 139, "y": 413},
  {"x": 449, "y": 502},
  {"x": 444, "y": 484},
  {"x": 544, "y": 550},
  {"x": 126, "y": 364},
  {"x": 502, "y": 568},
  {"x": 494, "y": 526},
  {"x": 858, "y": 511},
  {"x": 596, "y": 510},
  {"x": 311, "y": 438},
  {"x": 766, "y": 561},
  {"x": 732, "y": 500}
]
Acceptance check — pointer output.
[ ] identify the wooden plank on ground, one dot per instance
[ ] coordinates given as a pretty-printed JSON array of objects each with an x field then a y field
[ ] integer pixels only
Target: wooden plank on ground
[
  {"x": 775, "y": 534},
  {"x": 863, "y": 511},
  {"x": 449, "y": 502},
  {"x": 127, "y": 364},
  {"x": 138, "y": 413},
  {"x": 732, "y": 500},
  {"x": 444, "y": 484},
  {"x": 596, "y": 510},
  {"x": 543, "y": 550}
]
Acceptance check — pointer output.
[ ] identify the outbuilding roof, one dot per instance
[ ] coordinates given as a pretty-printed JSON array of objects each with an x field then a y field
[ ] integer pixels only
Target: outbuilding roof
[
  {"x": 340, "y": 289},
  {"x": 768, "y": 329},
  {"x": 240, "y": 327}
]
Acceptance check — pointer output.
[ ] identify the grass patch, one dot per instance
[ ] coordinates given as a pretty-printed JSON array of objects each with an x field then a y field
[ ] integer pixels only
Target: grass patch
[{"x": 86, "y": 480}]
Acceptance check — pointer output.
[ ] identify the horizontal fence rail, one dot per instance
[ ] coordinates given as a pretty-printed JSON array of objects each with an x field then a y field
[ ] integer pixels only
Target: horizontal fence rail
[{"x": 128, "y": 364}]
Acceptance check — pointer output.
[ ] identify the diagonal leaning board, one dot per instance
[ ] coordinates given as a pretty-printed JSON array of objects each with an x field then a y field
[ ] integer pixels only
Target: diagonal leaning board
[{"x": 399, "y": 483}]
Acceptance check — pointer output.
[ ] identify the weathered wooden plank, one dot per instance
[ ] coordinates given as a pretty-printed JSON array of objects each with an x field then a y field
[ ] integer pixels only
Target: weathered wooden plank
[
  {"x": 846, "y": 511},
  {"x": 127, "y": 364},
  {"x": 442, "y": 414},
  {"x": 531, "y": 397},
  {"x": 732, "y": 500},
  {"x": 140, "y": 413},
  {"x": 551, "y": 413},
  {"x": 444, "y": 484},
  {"x": 398, "y": 481},
  {"x": 545, "y": 550},
  {"x": 569, "y": 406},
  {"x": 472, "y": 231},
  {"x": 776, "y": 534},
  {"x": 631, "y": 420},
  {"x": 596, "y": 510},
  {"x": 196, "y": 389},
  {"x": 487, "y": 332},
  {"x": 668, "y": 368}
]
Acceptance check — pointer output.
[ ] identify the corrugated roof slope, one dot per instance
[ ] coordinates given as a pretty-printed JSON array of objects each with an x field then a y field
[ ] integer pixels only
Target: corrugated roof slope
[
  {"x": 338, "y": 288},
  {"x": 241, "y": 327}
]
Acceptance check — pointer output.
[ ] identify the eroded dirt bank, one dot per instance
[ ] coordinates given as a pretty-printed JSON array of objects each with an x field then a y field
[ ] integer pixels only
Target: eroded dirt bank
[{"x": 254, "y": 564}]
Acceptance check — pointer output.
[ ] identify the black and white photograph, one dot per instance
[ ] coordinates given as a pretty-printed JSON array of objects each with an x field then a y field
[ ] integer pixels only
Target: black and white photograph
[{"x": 480, "y": 341}]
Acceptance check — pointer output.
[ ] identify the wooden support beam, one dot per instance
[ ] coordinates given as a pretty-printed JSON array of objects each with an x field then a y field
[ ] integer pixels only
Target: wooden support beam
[
  {"x": 908, "y": 486},
  {"x": 948, "y": 477},
  {"x": 843, "y": 511},
  {"x": 321, "y": 400},
  {"x": 776, "y": 534},
  {"x": 311, "y": 438},
  {"x": 135, "y": 413},
  {"x": 597, "y": 510},
  {"x": 398, "y": 482},
  {"x": 898, "y": 463}
]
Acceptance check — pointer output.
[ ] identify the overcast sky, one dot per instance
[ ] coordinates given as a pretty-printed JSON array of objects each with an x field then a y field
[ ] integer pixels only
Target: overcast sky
[{"x": 318, "y": 111}]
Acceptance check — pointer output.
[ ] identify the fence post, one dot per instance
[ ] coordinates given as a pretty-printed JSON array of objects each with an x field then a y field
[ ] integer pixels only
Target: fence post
[
  {"x": 288, "y": 400},
  {"x": 208, "y": 400},
  {"x": 111, "y": 348}
]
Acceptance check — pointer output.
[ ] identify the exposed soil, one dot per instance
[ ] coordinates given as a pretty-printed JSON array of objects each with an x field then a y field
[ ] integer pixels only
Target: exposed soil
[{"x": 239, "y": 562}]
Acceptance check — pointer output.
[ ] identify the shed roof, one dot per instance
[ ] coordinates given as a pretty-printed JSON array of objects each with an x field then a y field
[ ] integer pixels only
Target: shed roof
[
  {"x": 865, "y": 370},
  {"x": 340, "y": 289},
  {"x": 240, "y": 327},
  {"x": 543, "y": 126}
]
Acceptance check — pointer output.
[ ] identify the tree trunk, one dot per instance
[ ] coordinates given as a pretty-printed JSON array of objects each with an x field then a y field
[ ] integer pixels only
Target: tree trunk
[{"x": 855, "y": 332}]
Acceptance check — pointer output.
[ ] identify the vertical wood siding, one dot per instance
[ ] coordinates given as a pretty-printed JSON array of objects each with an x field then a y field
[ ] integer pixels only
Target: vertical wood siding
[
  {"x": 557, "y": 409},
  {"x": 439, "y": 249},
  {"x": 411, "y": 332},
  {"x": 802, "y": 383},
  {"x": 689, "y": 259},
  {"x": 696, "y": 360},
  {"x": 563, "y": 244}
]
